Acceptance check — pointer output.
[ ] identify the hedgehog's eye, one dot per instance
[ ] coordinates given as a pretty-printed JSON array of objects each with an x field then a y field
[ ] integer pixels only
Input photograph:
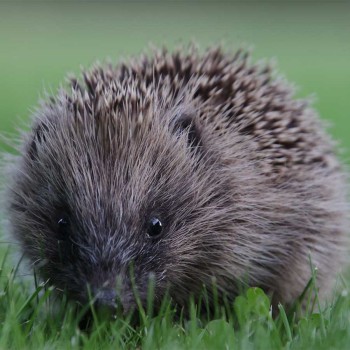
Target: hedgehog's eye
[
  {"x": 63, "y": 228},
  {"x": 154, "y": 228}
]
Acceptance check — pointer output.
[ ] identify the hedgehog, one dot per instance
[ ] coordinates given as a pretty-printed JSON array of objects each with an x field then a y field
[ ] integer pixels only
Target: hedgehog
[{"x": 182, "y": 169}]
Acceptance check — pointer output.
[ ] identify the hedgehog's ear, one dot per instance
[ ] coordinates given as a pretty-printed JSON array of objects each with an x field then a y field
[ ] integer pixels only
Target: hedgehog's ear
[
  {"x": 38, "y": 137},
  {"x": 185, "y": 123}
]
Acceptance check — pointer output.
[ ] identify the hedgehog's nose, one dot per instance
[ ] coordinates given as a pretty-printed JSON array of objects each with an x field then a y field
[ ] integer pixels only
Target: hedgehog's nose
[{"x": 105, "y": 300}]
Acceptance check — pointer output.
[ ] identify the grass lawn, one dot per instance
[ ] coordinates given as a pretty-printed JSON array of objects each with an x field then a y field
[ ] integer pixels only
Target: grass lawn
[{"x": 40, "y": 42}]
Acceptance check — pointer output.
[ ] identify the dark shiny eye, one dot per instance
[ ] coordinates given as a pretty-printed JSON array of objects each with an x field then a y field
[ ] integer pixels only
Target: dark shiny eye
[
  {"x": 63, "y": 228},
  {"x": 155, "y": 227}
]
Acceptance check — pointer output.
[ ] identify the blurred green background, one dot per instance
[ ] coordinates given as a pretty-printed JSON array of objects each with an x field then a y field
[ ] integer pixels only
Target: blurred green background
[{"x": 40, "y": 42}]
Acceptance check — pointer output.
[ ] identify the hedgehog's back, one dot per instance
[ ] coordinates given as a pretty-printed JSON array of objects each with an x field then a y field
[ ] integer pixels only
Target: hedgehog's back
[{"x": 231, "y": 94}]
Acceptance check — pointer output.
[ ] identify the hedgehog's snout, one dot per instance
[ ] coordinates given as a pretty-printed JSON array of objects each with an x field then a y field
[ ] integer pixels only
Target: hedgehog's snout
[
  {"x": 110, "y": 294},
  {"x": 106, "y": 299}
]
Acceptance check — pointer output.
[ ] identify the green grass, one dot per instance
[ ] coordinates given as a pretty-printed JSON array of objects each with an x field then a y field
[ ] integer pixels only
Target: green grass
[
  {"x": 32, "y": 320},
  {"x": 41, "y": 42}
]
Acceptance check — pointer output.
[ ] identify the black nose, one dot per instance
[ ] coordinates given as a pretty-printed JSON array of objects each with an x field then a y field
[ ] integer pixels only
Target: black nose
[
  {"x": 105, "y": 304},
  {"x": 105, "y": 298}
]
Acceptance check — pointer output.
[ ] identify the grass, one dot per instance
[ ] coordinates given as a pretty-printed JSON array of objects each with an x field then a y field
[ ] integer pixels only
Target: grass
[
  {"x": 41, "y": 42},
  {"x": 32, "y": 320}
]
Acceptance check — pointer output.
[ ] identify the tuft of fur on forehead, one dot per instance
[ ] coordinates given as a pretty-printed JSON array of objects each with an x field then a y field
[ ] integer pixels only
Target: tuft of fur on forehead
[{"x": 242, "y": 176}]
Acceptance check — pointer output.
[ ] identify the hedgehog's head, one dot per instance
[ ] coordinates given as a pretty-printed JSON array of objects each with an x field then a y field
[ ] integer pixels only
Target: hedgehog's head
[{"x": 110, "y": 193}]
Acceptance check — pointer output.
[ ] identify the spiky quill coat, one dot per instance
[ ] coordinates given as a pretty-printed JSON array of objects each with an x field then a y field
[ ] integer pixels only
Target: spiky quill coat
[{"x": 241, "y": 175}]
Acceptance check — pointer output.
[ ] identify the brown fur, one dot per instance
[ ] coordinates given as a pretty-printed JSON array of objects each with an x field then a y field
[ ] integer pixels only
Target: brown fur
[{"x": 242, "y": 176}]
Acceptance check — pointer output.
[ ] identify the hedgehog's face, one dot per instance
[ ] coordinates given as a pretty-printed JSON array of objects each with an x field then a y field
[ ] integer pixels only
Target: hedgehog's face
[{"x": 105, "y": 208}]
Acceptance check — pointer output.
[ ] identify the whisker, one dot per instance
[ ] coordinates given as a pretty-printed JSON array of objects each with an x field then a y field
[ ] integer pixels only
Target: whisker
[{"x": 9, "y": 242}]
